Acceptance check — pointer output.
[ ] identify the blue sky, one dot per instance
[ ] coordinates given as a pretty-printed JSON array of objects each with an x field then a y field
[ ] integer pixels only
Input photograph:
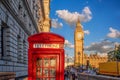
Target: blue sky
[{"x": 100, "y": 20}]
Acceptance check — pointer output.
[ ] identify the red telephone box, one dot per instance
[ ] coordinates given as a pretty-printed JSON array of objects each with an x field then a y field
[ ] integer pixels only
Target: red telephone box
[{"x": 46, "y": 57}]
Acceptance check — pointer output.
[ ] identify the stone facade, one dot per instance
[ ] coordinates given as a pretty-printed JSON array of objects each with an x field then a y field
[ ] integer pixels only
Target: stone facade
[
  {"x": 80, "y": 58},
  {"x": 44, "y": 21},
  {"x": 94, "y": 60},
  {"x": 18, "y": 20}
]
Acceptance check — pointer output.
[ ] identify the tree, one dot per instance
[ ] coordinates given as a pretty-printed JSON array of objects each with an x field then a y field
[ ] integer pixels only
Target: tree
[
  {"x": 114, "y": 55},
  {"x": 117, "y": 55}
]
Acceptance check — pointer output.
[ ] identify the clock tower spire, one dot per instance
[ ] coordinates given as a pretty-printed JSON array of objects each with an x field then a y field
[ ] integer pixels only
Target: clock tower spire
[
  {"x": 78, "y": 25},
  {"x": 78, "y": 42}
]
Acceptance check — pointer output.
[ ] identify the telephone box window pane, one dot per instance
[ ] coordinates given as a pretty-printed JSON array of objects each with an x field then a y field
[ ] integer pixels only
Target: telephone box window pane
[
  {"x": 52, "y": 78},
  {"x": 46, "y": 62},
  {"x": 53, "y": 62},
  {"x": 52, "y": 72},
  {"x": 39, "y": 62},
  {"x": 45, "y": 79},
  {"x": 39, "y": 72},
  {"x": 39, "y": 79},
  {"x": 45, "y": 72}
]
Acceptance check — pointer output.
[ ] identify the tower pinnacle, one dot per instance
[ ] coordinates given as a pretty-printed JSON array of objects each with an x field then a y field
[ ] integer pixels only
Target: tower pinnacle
[{"x": 78, "y": 25}]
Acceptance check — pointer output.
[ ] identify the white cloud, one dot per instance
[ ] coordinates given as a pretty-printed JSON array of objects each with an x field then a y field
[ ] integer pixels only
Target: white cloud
[
  {"x": 103, "y": 54},
  {"x": 114, "y": 33},
  {"x": 72, "y": 17},
  {"x": 68, "y": 44},
  {"x": 101, "y": 47},
  {"x": 87, "y": 11},
  {"x": 56, "y": 24},
  {"x": 87, "y": 32},
  {"x": 71, "y": 46},
  {"x": 106, "y": 47},
  {"x": 117, "y": 44}
]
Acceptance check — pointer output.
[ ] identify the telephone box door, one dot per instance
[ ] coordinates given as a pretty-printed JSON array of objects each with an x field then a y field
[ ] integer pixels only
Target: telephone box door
[{"x": 46, "y": 67}]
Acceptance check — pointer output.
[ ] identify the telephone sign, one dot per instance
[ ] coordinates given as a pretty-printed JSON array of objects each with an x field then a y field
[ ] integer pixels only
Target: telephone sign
[
  {"x": 46, "y": 46},
  {"x": 46, "y": 57}
]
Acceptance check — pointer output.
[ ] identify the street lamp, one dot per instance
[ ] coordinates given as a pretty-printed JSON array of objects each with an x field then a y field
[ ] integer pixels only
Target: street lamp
[{"x": 67, "y": 60}]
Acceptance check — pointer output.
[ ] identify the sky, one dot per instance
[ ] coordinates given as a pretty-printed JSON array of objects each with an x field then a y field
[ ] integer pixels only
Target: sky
[{"x": 100, "y": 20}]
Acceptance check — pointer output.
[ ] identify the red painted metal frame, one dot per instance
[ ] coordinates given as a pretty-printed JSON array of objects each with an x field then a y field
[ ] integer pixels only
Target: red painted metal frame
[
  {"x": 34, "y": 53},
  {"x": 47, "y": 67}
]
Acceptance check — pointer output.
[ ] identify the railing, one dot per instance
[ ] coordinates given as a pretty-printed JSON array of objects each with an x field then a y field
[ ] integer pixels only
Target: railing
[{"x": 95, "y": 77}]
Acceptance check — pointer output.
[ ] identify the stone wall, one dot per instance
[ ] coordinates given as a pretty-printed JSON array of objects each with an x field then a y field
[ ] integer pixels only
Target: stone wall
[
  {"x": 18, "y": 20},
  {"x": 7, "y": 76}
]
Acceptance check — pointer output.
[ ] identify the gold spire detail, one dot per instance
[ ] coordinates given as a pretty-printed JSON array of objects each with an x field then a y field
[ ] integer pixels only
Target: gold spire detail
[
  {"x": 78, "y": 25},
  {"x": 78, "y": 22}
]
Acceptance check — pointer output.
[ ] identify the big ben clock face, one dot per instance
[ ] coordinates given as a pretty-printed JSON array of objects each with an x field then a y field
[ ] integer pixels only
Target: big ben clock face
[{"x": 79, "y": 35}]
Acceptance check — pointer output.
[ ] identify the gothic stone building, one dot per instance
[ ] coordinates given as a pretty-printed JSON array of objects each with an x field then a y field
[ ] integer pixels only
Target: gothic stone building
[
  {"x": 93, "y": 60},
  {"x": 18, "y": 20},
  {"x": 79, "y": 57}
]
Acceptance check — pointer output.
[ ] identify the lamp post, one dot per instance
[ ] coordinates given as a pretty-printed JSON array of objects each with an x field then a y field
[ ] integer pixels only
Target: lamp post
[{"x": 67, "y": 59}]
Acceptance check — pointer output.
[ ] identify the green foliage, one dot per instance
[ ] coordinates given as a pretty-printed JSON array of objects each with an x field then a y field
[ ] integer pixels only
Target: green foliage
[
  {"x": 117, "y": 55},
  {"x": 114, "y": 55}
]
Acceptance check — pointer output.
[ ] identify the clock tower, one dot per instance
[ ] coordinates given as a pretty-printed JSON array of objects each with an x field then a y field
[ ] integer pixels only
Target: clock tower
[{"x": 78, "y": 42}]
